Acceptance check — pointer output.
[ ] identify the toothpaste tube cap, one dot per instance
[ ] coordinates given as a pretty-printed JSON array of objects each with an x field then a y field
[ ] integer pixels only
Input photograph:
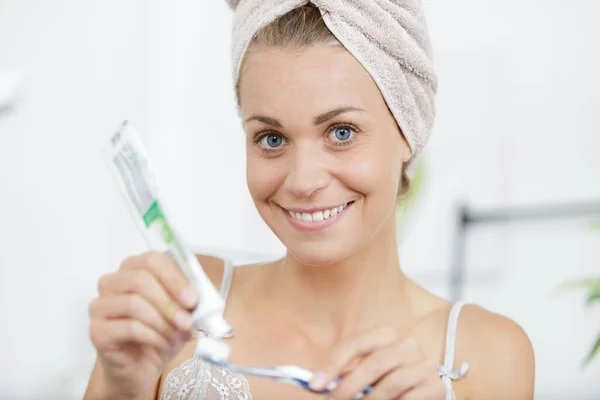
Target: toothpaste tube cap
[{"x": 214, "y": 324}]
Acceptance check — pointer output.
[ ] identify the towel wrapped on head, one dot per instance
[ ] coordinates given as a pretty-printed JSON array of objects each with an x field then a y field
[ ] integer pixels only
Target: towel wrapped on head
[{"x": 388, "y": 37}]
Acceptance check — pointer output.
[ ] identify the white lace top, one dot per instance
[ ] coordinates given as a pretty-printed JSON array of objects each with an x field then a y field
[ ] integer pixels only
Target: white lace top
[{"x": 196, "y": 379}]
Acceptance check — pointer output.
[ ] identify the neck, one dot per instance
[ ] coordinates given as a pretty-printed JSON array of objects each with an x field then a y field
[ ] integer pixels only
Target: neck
[{"x": 329, "y": 302}]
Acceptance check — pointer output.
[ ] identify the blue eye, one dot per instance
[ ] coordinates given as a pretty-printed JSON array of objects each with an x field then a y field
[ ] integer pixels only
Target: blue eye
[
  {"x": 271, "y": 141},
  {"x": 341, "y": 134}
]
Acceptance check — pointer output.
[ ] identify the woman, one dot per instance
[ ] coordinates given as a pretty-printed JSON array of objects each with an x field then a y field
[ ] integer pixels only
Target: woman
[{"x": 333, "y": 124}]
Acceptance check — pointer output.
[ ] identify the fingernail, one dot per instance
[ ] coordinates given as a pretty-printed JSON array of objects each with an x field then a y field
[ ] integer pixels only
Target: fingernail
[
  {"x": 188, "y": 298},
  {"x": 183, "y": 320},
  {"x": 318, "y": 381}
]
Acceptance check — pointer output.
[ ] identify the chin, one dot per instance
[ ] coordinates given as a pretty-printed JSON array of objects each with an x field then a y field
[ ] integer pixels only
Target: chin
[{"x": 319, "y": 253}]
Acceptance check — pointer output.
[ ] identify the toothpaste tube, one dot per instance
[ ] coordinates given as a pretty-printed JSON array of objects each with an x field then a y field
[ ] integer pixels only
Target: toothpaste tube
[{"x": 127, "y": 161}]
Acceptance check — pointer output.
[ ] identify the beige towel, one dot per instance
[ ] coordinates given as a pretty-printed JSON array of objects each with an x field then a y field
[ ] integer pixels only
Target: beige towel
[{"x": 388, "y": 37}]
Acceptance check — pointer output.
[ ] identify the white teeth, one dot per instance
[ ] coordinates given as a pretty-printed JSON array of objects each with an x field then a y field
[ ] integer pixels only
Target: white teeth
[{"x": 317, "y": 216}]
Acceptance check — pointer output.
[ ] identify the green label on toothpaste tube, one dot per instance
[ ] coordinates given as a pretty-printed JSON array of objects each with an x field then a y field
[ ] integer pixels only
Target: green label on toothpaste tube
[{"x": 155, "y": 215}]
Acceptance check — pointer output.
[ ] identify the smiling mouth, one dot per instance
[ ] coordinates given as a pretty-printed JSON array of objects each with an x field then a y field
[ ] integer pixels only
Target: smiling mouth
[{"x": 318, "y": 215}]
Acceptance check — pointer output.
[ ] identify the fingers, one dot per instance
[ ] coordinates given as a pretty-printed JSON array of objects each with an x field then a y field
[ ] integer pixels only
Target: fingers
[
  {"x": 374, "y": 368},
  {"x": 401, "y": 381},
  {"x": 146, "y": 285},
  {"x": 347, "y": 351},
  {"x": 168, "y": 274},
  {"x": 134, "y": 306},
  {"x": 148, "y": 301},
  {"x": 110, "y": 334}
]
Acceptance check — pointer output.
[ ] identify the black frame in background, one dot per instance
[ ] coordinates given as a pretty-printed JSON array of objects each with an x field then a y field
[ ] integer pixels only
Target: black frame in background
[{"x": 467, "y": 218}]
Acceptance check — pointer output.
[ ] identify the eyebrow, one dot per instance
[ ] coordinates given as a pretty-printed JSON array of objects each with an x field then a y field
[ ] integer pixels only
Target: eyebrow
[{"x": 320, "y": 119}]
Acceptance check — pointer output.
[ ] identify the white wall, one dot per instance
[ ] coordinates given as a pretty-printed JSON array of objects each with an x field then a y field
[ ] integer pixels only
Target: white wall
[
  {"x": 85, "y": 66},
  {"x": 518, "y": 94}
]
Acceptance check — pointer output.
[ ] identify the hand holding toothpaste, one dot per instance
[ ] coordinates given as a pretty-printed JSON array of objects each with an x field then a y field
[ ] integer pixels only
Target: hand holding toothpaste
[
  {"x": 147, "y": 310},
  {"x": 139, "y": 322}
]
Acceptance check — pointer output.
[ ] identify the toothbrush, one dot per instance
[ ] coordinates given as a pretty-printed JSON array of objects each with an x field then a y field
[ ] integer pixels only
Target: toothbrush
[{"x": 216, "y": 352}]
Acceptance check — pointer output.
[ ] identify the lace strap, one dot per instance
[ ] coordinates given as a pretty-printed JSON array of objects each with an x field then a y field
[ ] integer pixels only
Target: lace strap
[
  {"x": 446, "y": 371},
  {"x": 227, "y": 278}
]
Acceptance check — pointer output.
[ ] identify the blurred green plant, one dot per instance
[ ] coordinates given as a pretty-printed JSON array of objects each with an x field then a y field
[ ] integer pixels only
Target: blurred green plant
[
  {"x": 592, "y": 288},
  {"x": 406, "y": 204}
]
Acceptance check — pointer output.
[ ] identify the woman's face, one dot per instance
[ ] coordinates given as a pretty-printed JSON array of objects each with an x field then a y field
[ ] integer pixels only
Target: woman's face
[{"x": 324, "y": 153}]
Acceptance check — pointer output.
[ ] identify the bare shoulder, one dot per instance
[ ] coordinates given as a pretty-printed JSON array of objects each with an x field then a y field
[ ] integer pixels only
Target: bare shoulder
[{"x": 499, "y": 353}]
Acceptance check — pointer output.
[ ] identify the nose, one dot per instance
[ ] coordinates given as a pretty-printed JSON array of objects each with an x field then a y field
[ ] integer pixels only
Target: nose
[{"x": 308, "y": 173}]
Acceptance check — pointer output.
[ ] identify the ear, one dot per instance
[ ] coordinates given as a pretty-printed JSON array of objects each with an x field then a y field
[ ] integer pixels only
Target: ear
[
  {"x": 233, "y": 3},
  {"x": 406, "y": 150},
  {"x": 407, "y": 155}
]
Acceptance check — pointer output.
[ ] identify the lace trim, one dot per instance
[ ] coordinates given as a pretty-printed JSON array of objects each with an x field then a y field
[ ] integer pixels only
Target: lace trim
[{"x": 198, "y": 380}]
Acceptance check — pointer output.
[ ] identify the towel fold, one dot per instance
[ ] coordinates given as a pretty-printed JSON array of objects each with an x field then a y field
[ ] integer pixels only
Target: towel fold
[{"x": 388, "y": 37}]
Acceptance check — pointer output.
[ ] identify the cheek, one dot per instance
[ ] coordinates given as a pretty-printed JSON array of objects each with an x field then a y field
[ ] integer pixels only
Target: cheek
[
  {"x": 374, "y": 171},
  {"x": 263, "y": 178}
]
